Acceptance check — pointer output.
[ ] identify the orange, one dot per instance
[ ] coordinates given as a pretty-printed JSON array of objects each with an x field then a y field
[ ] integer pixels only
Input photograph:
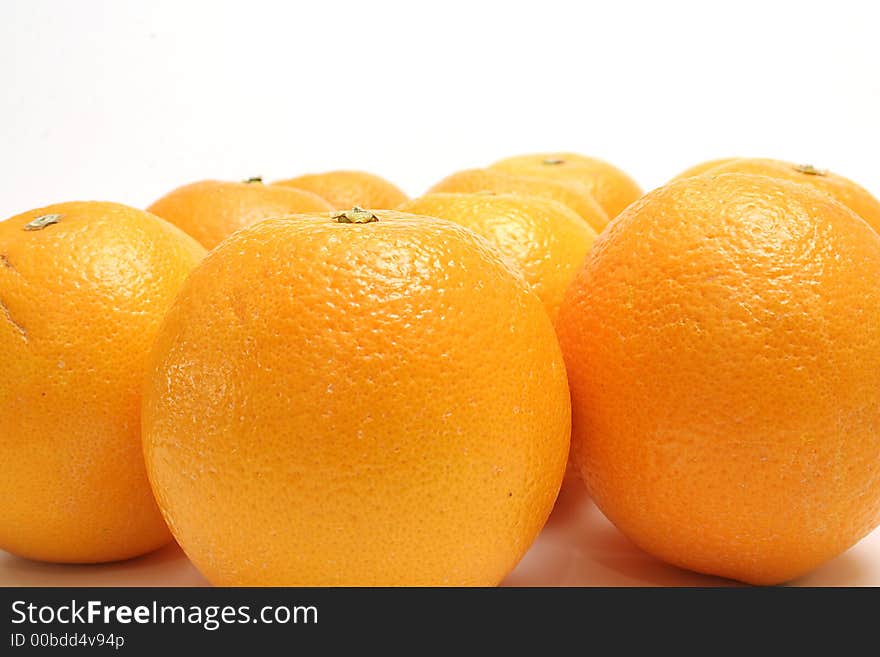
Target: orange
[
  {"x": 489, "y": 180},
  {"x": 211, "y": 210},
  {"x": 722, "y": 343},
  {"x": 83, "y": 288},
  {"x": 345, "y": 190},
  {"x": 612, "y": 188},
  {"x": 360, "y": 399},
  {"x": 546, "y": 240},
  {"x": 855, "y": 197},
  {"x": 703, "y": 167}
]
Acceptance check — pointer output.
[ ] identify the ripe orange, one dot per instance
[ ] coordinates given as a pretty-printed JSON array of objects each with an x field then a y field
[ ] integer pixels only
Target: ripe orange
[
  {"x": 359, "y": 399},
  {"x": 80, "y": 301},
  {"x": 612, "y": 188},
  {"x": 489, "y": 180},
  {"x": 211, "y": 210},
  {"x": 856, "y": 198},
  {"x": 345, "y": 190},
  {"x": 546, "y": 240},
  {"x": 722, "y": 343},
  {"x": 703, "y": 167}
]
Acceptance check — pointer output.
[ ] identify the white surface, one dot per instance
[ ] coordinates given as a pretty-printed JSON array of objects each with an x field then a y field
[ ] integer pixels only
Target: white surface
[
  {"x": 578, "y": 547},
  {"x": 123, "y": 100}
]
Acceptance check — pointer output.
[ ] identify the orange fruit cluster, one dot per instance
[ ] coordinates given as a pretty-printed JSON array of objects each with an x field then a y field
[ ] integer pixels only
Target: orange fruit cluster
[{"x": 357, "y": 388}]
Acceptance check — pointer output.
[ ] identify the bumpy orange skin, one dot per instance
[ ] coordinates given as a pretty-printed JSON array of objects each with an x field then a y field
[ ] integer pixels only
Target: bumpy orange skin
[
  {"x": 546, "y": 240},
  {"x": 703, "y": 167},
  {"x": 80, "y": 303},
  {"x": 612, "y": 188},
  {"x": 853, "y": 196},
  {"x": 489, "y": 180},
  {"x": 722, "y": 344},
  {"x": 211, "y": 210},
  {"x": 356, "y": 404},
  {"x": 347, "y": 189}
]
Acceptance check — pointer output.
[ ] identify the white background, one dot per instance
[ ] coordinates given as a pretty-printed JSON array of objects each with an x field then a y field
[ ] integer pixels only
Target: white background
[{"x": 124, "y": 100}]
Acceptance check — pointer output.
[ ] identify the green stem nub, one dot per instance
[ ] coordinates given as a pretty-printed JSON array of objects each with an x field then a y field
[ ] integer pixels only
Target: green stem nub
[
  {"x": 253, "y": 179},
  {"x": 552, "y": 162},
  {"x": 355, "y": 216},
  {"x": 41, "y": 222},
  {"x": 810, "y": 170}
]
